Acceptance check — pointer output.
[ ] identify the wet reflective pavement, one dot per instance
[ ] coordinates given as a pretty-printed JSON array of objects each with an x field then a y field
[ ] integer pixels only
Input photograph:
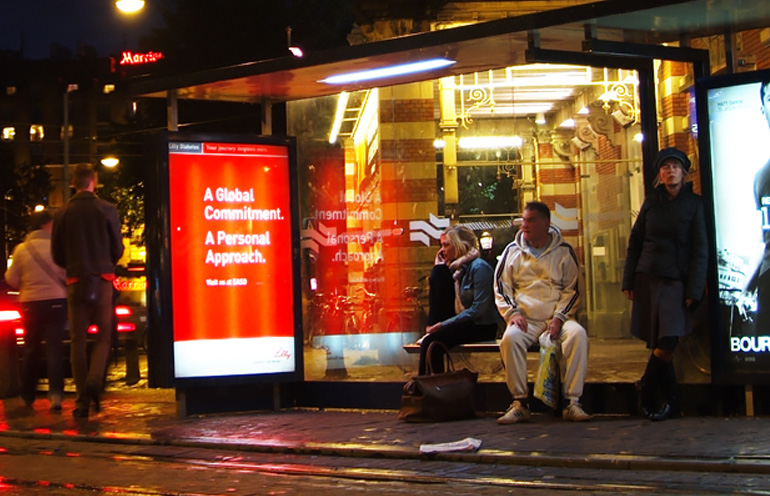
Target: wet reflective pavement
[
  {"x": 143, "y": 416},
  {"x": 137, "y": 423}
]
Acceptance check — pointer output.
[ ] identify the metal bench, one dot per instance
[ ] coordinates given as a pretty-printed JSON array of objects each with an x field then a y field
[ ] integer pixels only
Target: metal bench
[{"x": 480, "y": 347}]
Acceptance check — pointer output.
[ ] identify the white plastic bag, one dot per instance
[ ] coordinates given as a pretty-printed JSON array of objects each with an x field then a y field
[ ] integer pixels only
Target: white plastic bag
[{"x": 548, "y": 380}]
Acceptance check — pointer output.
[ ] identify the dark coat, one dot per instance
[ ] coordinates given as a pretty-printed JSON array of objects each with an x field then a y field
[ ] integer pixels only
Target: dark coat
[
  {"x": 86, "y": 236},
  {"x": 668, "y": 240}
]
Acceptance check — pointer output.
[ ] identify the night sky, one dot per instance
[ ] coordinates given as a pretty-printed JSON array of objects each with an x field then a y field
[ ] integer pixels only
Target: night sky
[{"x": 68, "y": 22}]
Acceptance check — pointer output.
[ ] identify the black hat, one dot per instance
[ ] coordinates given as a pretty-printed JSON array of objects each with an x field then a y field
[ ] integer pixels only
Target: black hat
[{"x": 672, "y": 153}]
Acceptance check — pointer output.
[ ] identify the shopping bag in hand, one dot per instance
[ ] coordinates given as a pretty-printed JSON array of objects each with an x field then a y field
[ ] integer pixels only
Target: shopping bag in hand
[{"x": 548, "y": 381}]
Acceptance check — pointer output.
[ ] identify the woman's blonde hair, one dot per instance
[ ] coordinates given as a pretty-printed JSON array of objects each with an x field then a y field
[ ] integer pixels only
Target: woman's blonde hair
[{"x": 462, "y": 239}]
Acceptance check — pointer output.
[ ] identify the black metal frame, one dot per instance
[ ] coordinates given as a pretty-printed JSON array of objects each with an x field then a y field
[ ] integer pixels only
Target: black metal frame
[{"x": 161, "y": 344}]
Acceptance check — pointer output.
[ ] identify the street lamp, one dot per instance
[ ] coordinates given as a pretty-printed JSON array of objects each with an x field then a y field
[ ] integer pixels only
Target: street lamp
[
  {"x": 110, "y": 161},
  {"x": 129, "y": 6},
  {"x": 6, "y": 198}
]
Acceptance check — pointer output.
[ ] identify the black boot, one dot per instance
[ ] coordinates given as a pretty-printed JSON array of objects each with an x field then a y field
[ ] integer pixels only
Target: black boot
[
  {"x": 670, "y": 407},
  {"x": 648, "y": 385}
]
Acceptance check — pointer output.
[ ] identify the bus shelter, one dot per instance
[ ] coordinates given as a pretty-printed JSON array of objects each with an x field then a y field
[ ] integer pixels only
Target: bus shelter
[{"x": 398, "y": 139}]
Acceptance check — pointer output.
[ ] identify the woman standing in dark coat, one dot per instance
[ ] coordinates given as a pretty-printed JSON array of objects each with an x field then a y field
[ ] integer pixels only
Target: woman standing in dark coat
[{"x": 665, "y": 276}]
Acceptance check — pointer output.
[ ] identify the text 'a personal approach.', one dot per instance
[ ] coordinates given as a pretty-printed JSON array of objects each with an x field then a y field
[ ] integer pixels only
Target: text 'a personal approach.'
[{"x": 235, "y": 207}]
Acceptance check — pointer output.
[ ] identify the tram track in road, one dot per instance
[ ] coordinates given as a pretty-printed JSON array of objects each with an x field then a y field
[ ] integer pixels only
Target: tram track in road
[{"x": 147, "y": 470}]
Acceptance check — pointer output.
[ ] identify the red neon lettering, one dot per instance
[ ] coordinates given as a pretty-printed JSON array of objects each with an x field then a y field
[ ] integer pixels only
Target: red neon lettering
[{"x": 130, "y": 58}]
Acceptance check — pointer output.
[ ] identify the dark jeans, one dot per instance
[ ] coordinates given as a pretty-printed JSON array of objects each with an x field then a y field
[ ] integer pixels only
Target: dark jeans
[
  {"x": 44, "y": 320},
  {"x": 88, "y": 372},
  {"x": 441, "y": 301}
]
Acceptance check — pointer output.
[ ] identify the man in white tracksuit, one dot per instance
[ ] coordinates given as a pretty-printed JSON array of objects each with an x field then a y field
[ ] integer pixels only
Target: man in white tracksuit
[{"x": 536, "y": 292}]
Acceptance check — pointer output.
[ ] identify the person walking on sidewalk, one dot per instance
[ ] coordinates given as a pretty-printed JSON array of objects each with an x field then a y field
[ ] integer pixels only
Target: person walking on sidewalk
[
  {"x": 87, "y": 242},
  {"x": 461, "y": 303},
  {"x": 44, "y": 307},
  {"x": 536, "y": 292},
  {"x": 665, "y": 276}
]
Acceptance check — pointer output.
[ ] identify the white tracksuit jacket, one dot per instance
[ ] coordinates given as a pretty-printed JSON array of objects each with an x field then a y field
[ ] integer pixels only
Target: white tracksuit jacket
[{"x": 541, "y": 288}]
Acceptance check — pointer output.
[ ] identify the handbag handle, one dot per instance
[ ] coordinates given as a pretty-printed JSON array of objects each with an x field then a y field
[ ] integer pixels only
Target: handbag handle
[{"x": 429, "y": 362}]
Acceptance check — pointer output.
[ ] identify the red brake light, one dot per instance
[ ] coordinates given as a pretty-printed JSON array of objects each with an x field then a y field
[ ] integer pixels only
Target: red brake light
[
  {"x": 19, "y": 332},
  {"x": 126, "y": 327},
  {"x": 93, "y": 329},
  {"x": 9, "y": 315},
  {"x": 123, "y": 311}
]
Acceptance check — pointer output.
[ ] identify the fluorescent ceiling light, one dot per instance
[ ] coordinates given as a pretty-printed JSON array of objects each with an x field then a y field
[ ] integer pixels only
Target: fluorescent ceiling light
[
  {"x": 568, "y": 123},
  {"x": 342, "y": 105},
  {"x": 489, "y": 142},
  {"x": 540, "y": 118},
  {"x": 390, "y": 71}
]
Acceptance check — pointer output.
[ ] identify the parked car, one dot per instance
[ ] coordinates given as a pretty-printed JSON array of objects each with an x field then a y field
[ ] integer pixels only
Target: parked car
[
  {"x": 131, "y": 304},
  {"x": 11, "y": 331},
  {"x": 130, "y": 325}
]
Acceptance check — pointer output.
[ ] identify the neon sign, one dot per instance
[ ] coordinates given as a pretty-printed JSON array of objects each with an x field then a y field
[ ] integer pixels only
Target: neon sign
[
  {"x": 130, "y": 58},
  {"x": 133, "y": 284}
]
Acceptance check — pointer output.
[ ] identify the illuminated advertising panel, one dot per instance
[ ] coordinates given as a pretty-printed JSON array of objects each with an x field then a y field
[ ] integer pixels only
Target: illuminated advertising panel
[
  {"x": 234, "y": 304},
  {"x": 738, "y": 165}
]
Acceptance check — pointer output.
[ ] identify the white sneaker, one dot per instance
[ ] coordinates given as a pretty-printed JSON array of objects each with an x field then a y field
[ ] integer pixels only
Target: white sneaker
[
  {"x": 516, "y": 413},
  {"x": 575, "y": 413}
]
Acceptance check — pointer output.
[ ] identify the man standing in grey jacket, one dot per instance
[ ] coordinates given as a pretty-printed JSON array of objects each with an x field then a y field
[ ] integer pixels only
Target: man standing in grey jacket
[{"x": 87, "y": 242}]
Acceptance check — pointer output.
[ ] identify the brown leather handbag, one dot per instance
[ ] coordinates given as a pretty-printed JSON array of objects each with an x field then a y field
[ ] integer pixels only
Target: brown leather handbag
[{"x": 439, "y": 397}]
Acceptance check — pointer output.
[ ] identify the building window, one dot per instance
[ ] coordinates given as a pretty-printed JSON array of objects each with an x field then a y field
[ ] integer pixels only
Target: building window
[
  {"x": 36, "y": 132},
  {"x": 103, "y": 112},
  {"x": 71, "y": 132},
  {"x": 10, "y": 90},
  {"x": 9, "y": 133}
]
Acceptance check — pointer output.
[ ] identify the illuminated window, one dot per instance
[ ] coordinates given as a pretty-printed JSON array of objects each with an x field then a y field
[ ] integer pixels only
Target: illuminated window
[
  {"x": 36, "y": 132},
  {"x": 71, "y": 132},
  {"x": 10, "y": 90},
  {"x": 108, "y": 88},
  {"x": 9, "y": 133}
]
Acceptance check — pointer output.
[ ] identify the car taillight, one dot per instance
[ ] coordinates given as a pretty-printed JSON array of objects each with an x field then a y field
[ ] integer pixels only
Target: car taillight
[
  {"x": 123, "y": 311},
  {"x": 126, "y": 327},
  {"x": 9, "y": 315},
  {"x": 93, "y": 329}
]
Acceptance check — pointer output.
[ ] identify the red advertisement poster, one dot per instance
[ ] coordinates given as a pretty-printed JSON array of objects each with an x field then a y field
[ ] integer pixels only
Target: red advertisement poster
[{"x": 231, "y": 262}]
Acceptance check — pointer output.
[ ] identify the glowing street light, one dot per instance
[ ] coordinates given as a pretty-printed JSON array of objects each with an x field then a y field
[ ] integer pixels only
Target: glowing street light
[
  {"x": 110, "y": 161},
  {"x": 129, "y": 6}
]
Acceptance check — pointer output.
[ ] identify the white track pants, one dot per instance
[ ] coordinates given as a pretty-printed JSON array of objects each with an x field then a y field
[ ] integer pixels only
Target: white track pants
[{"x": 573, "y": 365}]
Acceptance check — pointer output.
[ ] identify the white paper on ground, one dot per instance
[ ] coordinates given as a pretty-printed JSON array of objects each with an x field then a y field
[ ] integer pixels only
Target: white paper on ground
[{"x": 467, "y": 444}]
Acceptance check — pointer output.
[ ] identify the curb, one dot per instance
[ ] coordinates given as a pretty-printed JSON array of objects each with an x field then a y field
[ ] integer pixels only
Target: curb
[{"x": 752, "y": 465}]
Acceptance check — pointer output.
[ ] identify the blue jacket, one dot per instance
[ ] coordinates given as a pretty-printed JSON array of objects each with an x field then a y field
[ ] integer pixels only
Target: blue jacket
[{"x": 476, "y": 294}]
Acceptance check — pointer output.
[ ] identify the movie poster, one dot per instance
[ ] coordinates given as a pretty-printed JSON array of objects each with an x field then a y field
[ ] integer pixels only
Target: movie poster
[{"x": 739, "y": 128}]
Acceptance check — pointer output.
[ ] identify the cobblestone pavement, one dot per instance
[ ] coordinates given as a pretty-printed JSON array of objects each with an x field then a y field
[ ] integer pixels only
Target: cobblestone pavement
[{"x": 723, "y": 454}]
